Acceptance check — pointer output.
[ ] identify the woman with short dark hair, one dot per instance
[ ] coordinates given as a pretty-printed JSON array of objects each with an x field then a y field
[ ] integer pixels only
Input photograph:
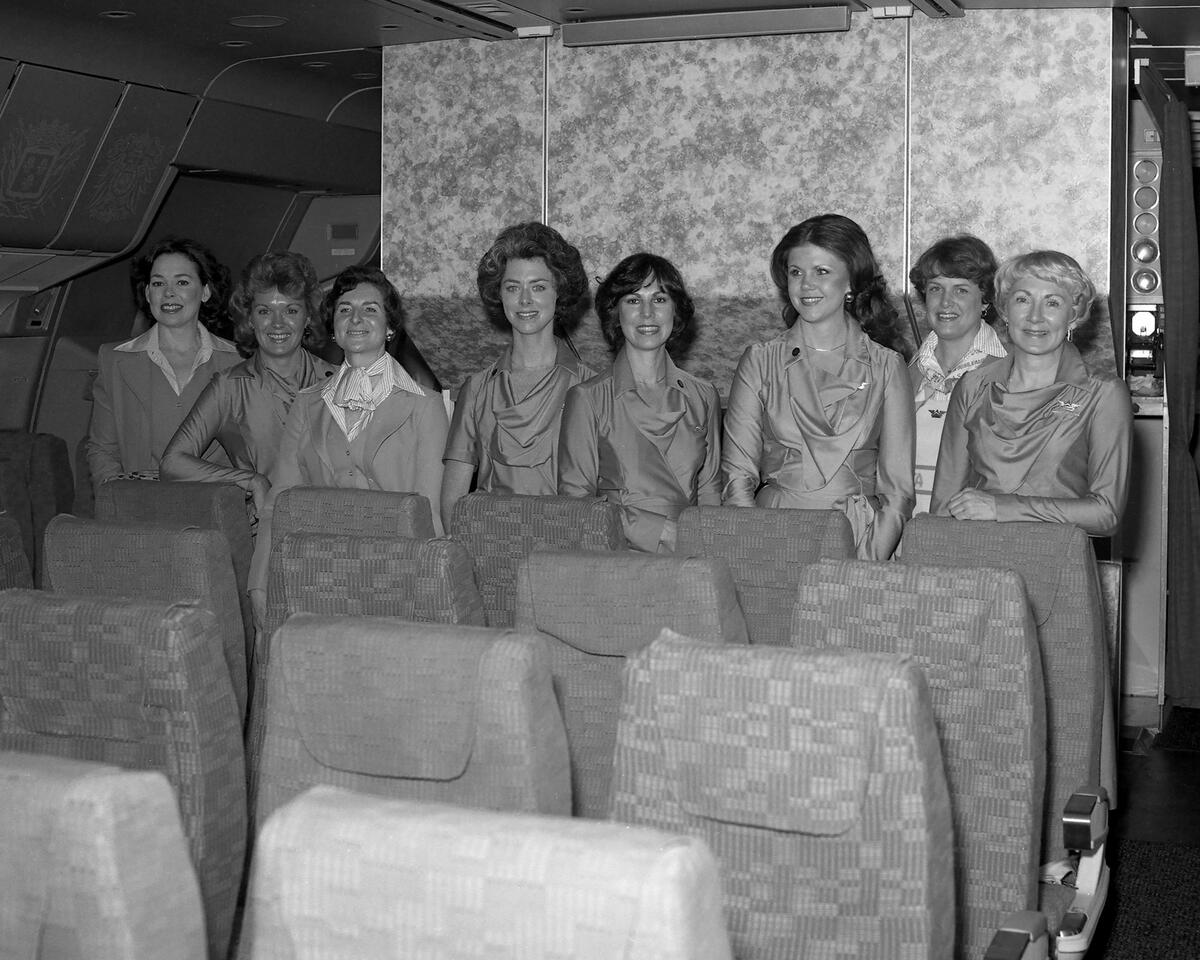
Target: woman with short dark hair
[
  {"x": 645, "y": 435},
  {"x": 956, "y": 279},
  {"x": 821, "y": 416},
  {"x": 276, "y": 310},
  {"x": 370, "y": 426},
  {"x": 147, "y": 385},
  {"x": 505, "y": 428}
]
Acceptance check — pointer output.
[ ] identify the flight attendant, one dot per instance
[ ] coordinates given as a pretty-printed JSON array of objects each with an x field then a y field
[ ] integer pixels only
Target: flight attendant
[
  {"x": 822, "y": 416},
  {"x": 147, "y": 385},
  {"x": 276, "y": 305},
  {"x": 956, "y": 279},
  {"x": 505, "y": 427},
  {"x": 645, "y": 435},
  {"x": 1037, "y": 435},
  {"x": 370, "y": 426}
]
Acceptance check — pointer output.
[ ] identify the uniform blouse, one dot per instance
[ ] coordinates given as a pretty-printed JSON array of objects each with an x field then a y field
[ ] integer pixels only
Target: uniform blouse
[
  {"x": 650, "y": 458},
  {"x": 513, "y": 442},
  {"x": 243, "y": 409},
  {"x": 1058, "y": 453},
  {"x": 136, "y": 407},
  {"x": 931, "y": 396},
  {"x": 799, "y": 436}
]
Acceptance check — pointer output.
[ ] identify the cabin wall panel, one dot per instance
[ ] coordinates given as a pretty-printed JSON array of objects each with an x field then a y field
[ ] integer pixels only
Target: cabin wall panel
[
  {"x": 1010, "y": 128},
  {"x": 706, "y": 151}
]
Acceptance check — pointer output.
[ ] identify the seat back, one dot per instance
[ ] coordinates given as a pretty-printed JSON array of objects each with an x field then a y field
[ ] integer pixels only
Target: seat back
[
  {"x": 42, "y": 464},
  {"x": 433, "y": 712},
  {"x": 93, "y": 863},
  {"x": 501, "y": 530},
  {"x": 443, "y": 881},
  {"x": 817, "y": 781},
  {"x": 970, "y": 630},
  {"x": 366, "y": 513},
  {"x": 14, "y": 563},
  {"x": 427, "y": 581},
  {"x": 100, "y": 558},
  {"x": 140, "y": 685},
  {"x": 764, "y": 549},
  {"x": 600, "y": 608},
  {"x": 1058, "y": 566},
  {"x": 180, "y": 504}
]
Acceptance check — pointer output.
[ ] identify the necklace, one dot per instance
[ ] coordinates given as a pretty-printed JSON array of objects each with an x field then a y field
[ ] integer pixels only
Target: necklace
[{"x": 836, "y": 346}]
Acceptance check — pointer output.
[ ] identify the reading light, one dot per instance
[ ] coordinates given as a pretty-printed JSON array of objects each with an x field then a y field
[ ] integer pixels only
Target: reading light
[{"x": 706, "y": 26}]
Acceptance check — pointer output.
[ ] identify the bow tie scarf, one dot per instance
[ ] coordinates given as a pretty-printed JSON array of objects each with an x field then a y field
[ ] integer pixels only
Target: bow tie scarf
[{"x": 358, "y": 392}]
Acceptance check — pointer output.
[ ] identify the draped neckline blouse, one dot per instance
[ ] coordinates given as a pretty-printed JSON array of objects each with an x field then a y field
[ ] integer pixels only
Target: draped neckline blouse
[
  {"x": 527, "y": 427},
  {"x": 1018, "y": 424}
]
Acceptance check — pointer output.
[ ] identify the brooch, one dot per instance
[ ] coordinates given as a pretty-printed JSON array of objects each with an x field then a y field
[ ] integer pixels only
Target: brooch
[
  {"x": 1067, "y": 405},
  {"x": 863, "y": 385},
  {"x": 937, "y": 414}
]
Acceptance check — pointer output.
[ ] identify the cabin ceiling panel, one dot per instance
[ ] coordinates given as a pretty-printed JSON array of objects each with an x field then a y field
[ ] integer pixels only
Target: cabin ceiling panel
[
  {"x": 49, "y": 130},
  {"x": 132, "y": 169}
]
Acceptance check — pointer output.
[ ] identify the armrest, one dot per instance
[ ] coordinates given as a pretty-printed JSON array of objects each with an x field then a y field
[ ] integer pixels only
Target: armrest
[
  {"x": 1085, "y": 829},
  {"x": 1022, "y": 936},
  {"x": 1085, "y": 819}
]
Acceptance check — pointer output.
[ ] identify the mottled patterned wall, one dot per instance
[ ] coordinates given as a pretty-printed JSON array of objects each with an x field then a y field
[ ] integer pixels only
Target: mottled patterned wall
[
  {"x": 707, "y": 151},
  {"x": 1009, "y": 137}
]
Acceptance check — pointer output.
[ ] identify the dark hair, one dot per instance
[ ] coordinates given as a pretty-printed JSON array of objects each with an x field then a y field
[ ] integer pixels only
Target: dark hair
[
  {"x": 868, "y": 302},
  {"x": 350, "y": 278},
  {"x": 535, "y": 241},
  {"x": 630, "y": 275},
  {"x": 214, "y": 312},
  {"x": 293, "y": 275},
  {"x": 965, "y": 257}
]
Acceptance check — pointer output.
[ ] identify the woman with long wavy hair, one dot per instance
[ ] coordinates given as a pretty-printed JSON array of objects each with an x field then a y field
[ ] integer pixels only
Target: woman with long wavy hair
[{"x": 821, "y": 416}]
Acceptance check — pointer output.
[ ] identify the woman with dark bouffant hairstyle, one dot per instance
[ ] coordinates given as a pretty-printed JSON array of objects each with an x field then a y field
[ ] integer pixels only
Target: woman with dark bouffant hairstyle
[
  {"x": 147, "y": 385},
  {"x": 505, "y": 428},
  {"x": 956, "y": 279},
  {"x": 645, "y": 435},
  {"x": 276, "y": 307},
  {"x": 821, "y": 416}
]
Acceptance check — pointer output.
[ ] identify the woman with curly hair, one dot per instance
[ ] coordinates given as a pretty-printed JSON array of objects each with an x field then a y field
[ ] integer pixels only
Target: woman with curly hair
[
  {"x": 146, "y": 385},
  {"x": 822, "y": 415},
  {"x": 645, "y": 435},
  {"x": 1037, "y": 435},
  {"x": 505, "y": 427},
  {"x": 276, "y": 306}
]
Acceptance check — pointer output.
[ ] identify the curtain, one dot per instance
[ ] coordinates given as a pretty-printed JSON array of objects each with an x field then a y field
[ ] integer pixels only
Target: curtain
[{"x": 1181, "y": 320}]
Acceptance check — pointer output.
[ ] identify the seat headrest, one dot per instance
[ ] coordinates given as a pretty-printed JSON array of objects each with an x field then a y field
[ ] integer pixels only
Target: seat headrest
[
  {"x": 75, "y": 667},
  {"x": 612, "y": 604},
  {"x": 767, "y": 737},
  {"x": 383, "y": 697}
]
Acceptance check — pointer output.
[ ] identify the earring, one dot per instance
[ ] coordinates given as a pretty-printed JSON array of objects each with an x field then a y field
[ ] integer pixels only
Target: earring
[
  {"x": 390, "y": 334},
  {"x": 983, "y": 312},
  {"x": 1070, "y": 334},
  {"x": 849, "y": 297}
]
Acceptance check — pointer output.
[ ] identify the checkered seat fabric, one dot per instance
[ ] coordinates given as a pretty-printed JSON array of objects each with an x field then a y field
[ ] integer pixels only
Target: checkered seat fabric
[
  {"x": 815, "y": 778},
  {"x": 501, "y": 530},
  {"x": 182, "y": 504},
  {"x": 98, "y": 558},
  {"x": 765, "y": 550},
  {"x": 142, "y": 685},
  {"x": 346, "y": 874},
  {"x": 970, "y": 630},
  {"x": 14, "y": 564},
  {"x": 456, "y": 714},
  {"x": 599, "y": 609},
  {"x": 93, "y": 863}
]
